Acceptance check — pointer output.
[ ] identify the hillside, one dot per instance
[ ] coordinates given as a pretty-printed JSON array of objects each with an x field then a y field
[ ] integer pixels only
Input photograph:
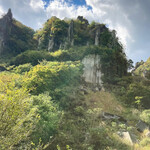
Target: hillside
[
  {"x": 143, "y": 69},
  {"x": 66, "y": 86},
  {"x": 14, "y": 36}
]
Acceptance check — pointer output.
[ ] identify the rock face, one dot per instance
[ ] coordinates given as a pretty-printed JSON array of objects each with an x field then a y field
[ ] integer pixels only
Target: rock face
[
  {"x": 113, "y": 34},
  {"x": 108, "y": 116},
  {"x": 70, "y": 33},
  {"x": 127, "y": 137},
  {"x": 5, "y": 29},
  {"x": 97, "y": 36},
  {"x": 14, "y": 36},
  {"x": 51, "y": 45},
  {"x": 92, "y": 69}
]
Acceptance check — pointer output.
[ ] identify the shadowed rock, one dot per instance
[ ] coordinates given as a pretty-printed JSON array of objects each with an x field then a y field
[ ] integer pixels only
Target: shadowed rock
[
  {"x": 141, "y": 126},
  {"x": 5, "y": 29}
]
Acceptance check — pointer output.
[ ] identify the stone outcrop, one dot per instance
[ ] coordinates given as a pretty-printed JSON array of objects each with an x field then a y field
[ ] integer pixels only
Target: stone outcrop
[
  {"x": 51, "y": 45},
  {"x": 128, "y": 137},
  {"x": 108, "y": 116},
  {"x": 92, "y": 70},
  {"x": 70, "y": 33},
  {"x": 97, "y": 36},
  {"x": 5, "y": 29},
  {"x": 14, "y": 36},
  {"x": 77, "y": 33},
  {"x": 113, "y": 34}
]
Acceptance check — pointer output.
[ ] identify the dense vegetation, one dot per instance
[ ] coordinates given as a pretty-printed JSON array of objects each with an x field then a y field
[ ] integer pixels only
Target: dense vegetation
[{"x": 46, "y": 104}]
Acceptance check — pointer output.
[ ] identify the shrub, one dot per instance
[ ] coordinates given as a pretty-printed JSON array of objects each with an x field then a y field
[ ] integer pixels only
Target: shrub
[
  {"x": 16, "y": 118},
  {"x": 145, "y": 116},
  {"x": 53, "y": 77},
  {"x": 21, "y": 69},
  {"x": 145, "y": 142},
  {"x": 49, "y": 117},
  {"x": 30, "y": 56}
]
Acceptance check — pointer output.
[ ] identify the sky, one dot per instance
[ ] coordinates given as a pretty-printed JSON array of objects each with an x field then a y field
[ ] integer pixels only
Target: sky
[{"x": 130, "y": 18}]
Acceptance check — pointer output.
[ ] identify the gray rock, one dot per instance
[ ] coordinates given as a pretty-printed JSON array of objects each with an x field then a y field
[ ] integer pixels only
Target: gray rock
[
  {"x": 5, "y": 29},
  {"x": 9, "y": 14},
  {"x": 97, "y": 36},
  {"x": 113, "y": 34},
  {"x": 70, "y": 33},
  {"x": 87, "y": 44},
  {"x": 85, "y": 91},
  {"x": 141, "y": 126},
  {"x": 92, "y": 70},
  {"x": 128, "y": 137},
  {"x": 51, "y": 45},
  {"x": 108, "y": 116},
  {"x": 39, "y": 43},
  {"x": 147, "y": 134}
]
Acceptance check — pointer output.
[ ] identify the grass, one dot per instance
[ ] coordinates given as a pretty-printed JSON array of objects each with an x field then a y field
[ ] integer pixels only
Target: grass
[{"x": 104, "y": 100}]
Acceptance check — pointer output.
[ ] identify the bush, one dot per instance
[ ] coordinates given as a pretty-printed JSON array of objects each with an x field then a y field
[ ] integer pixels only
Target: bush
[
  {"x": 53, "y": 77},
  {"x": 30, "y": 56},
  {"x": 21, "y": 69},
  {"x": 49, "y": 117},
  {"x": 17, "y": 119},
  {"x": 145, "y": 116},
  {"x": 145, "y": 142}
]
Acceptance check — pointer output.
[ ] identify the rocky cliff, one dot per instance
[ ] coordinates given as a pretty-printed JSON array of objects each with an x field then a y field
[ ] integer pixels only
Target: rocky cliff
[
  {"x": 78, "y": 40},
  {"x": 14, "y": 36},
  {"x": 64, "y": 34},
  {"x": 5, "y": 30}
]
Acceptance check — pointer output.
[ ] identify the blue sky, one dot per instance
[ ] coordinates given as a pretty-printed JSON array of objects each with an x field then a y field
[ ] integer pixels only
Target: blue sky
[
  {"x": 76, "y": 2},
  {"x": 130, "y": 18}
]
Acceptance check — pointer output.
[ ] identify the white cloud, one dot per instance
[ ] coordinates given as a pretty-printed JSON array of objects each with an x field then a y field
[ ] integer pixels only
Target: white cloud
[
  {"x": 113, "y": 16},
  {"x": 1, "y": 11},
  {"x": 63, "y": 9},
  {"x": 29, "y": 12},
  {"x": 37, "y": 4}
]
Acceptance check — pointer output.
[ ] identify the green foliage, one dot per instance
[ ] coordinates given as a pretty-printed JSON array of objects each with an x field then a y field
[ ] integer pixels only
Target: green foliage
[
  {"x": 143, "y": 69},
  {"x": 145, "y": 142},
  {"x": 53, "y": 28},
  {"x": 16, "y": 117},
  {"x": 49, "y": 117},
  {"x": 138, "y": 101},
  {"x": 114, "y": 63},
  {"x": 145, "y": 116},
  {"x": 20, "y": 38},
  {"x": 81, "y": 33},
  {"x": 130, "y": 87},
  {"x": 61, "y": 55},
  {"x": 42, "y": 84},
  {"x": 52, "y": 77},
  {"x": 21, "y": 69},
  {"x": 30, "y": 56},
  {"x": 34, "y": 57}
]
